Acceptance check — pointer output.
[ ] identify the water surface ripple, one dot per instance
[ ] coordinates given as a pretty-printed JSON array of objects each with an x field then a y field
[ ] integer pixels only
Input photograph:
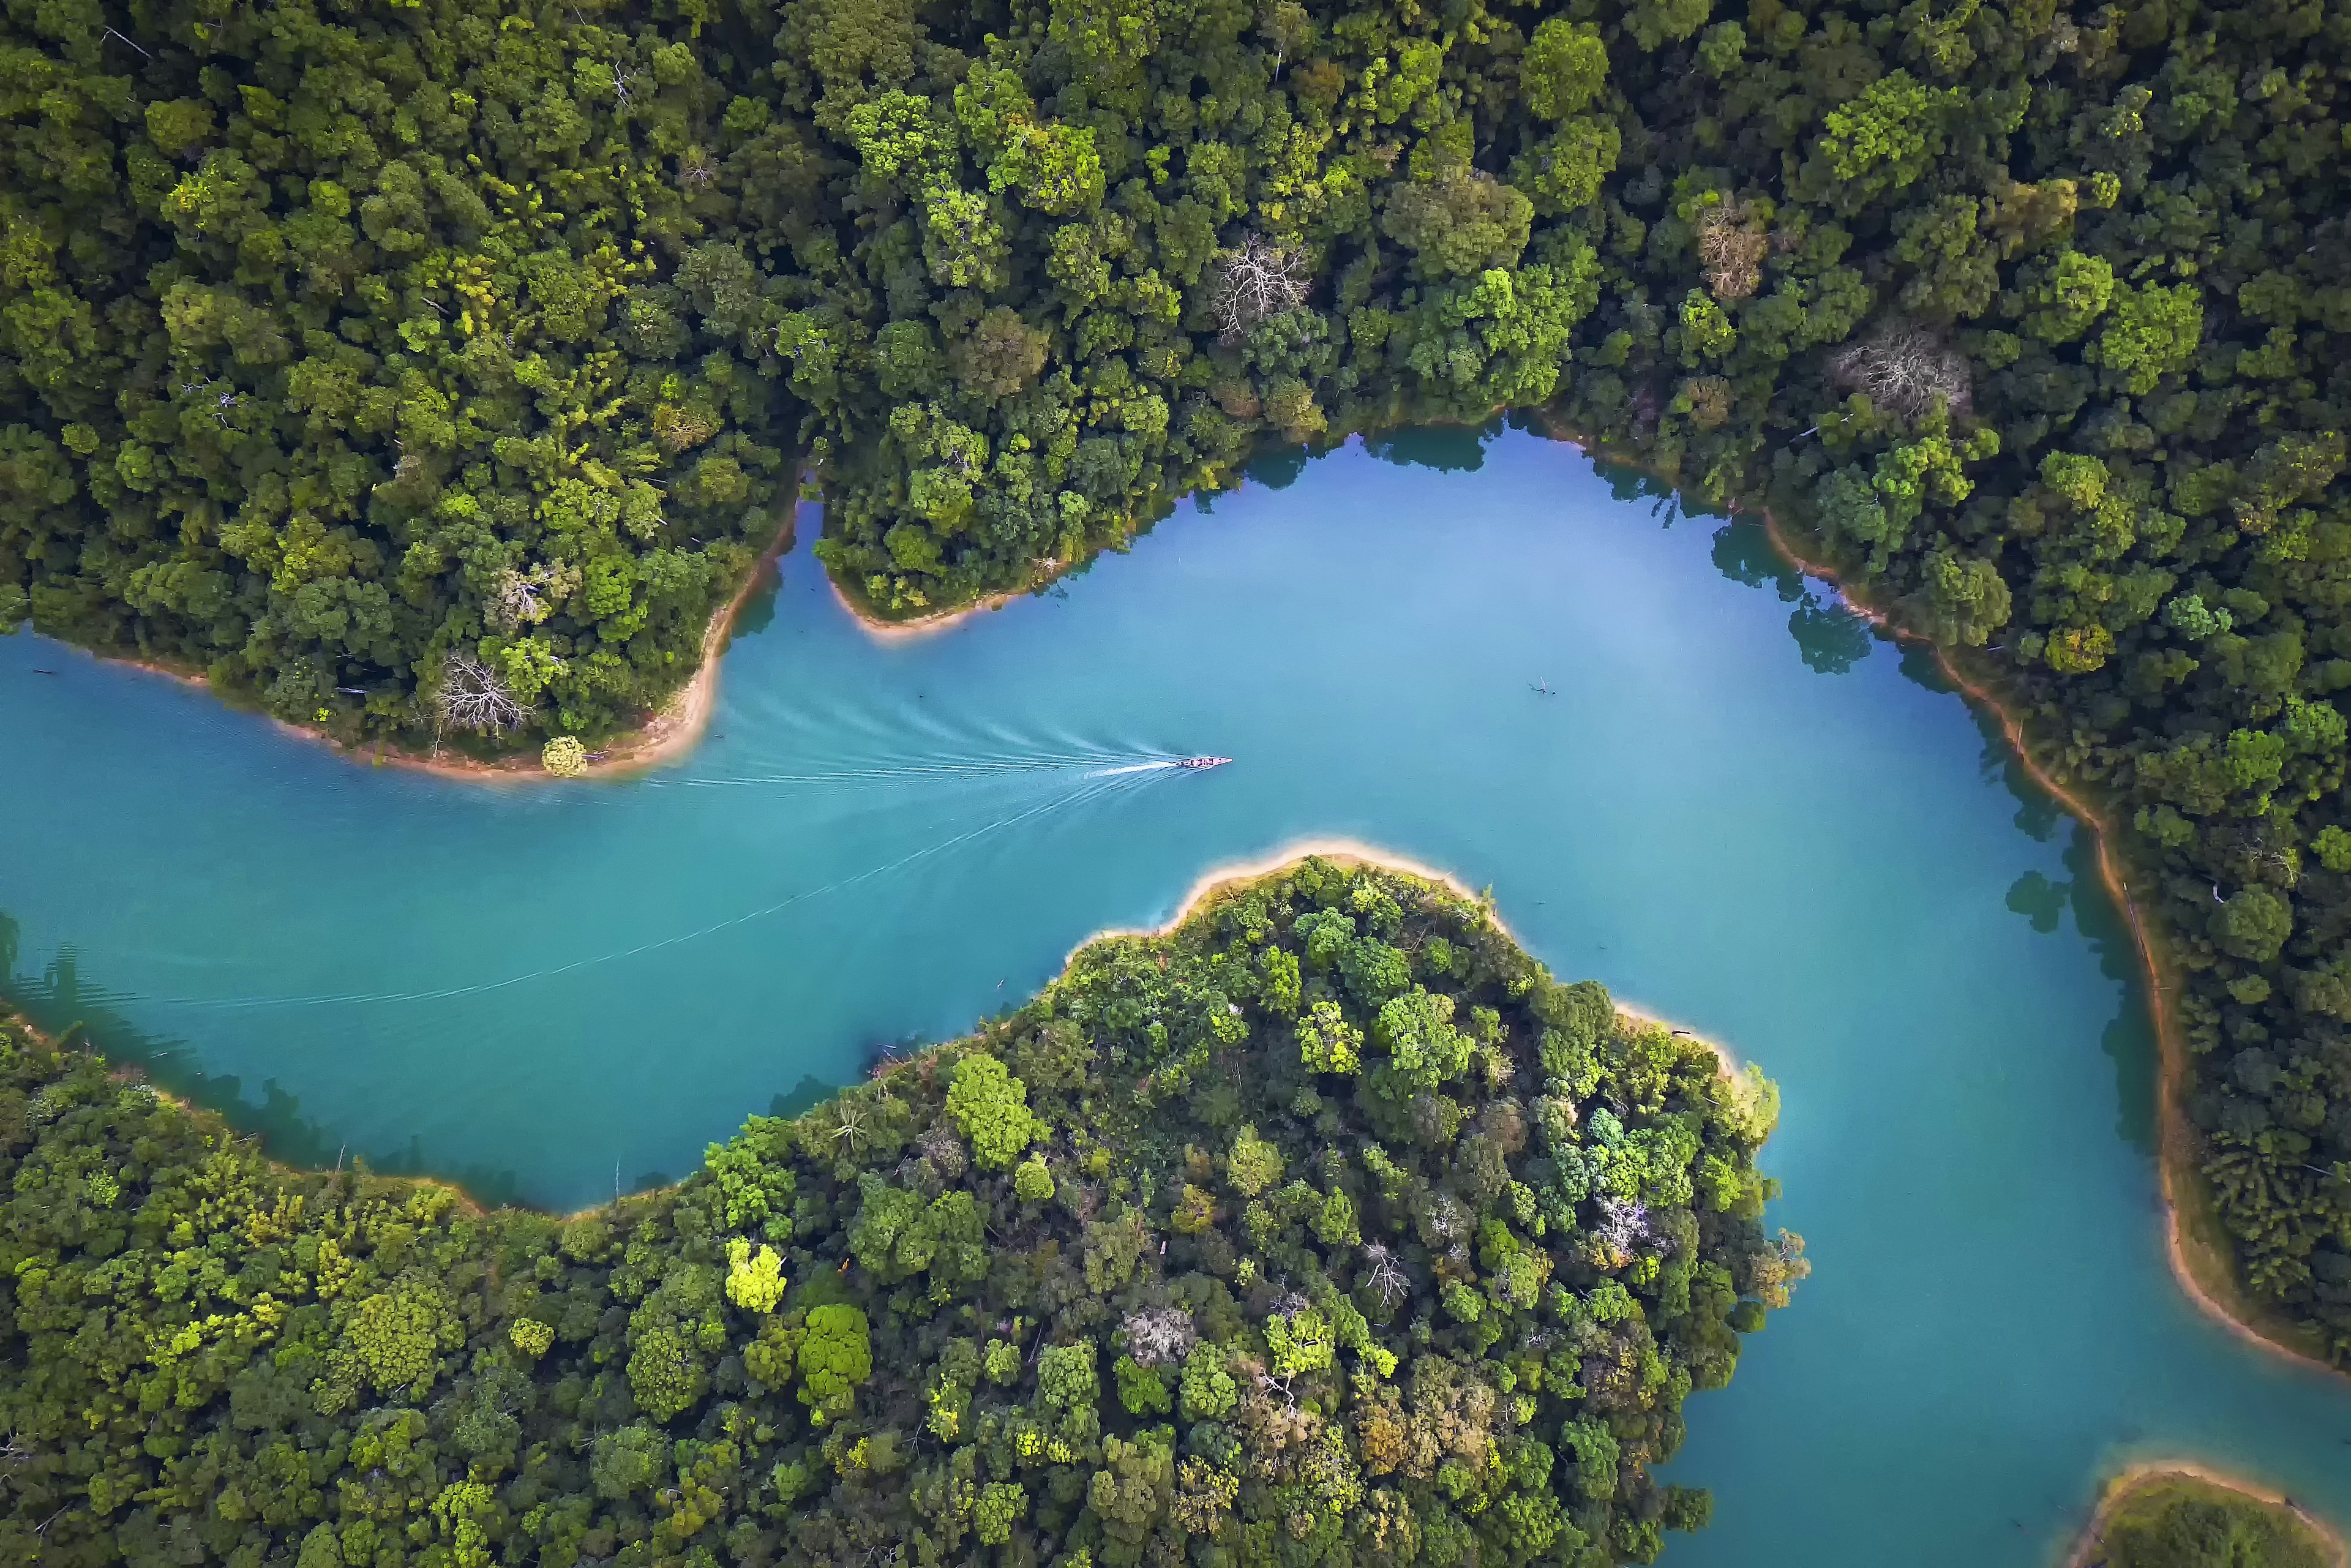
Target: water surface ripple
[{"x": 1795, "y": 843}]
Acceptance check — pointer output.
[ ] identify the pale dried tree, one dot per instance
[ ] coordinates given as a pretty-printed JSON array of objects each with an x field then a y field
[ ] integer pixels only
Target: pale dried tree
[
  {"x": 1158, "y": 1336},
  {"x": 1905, "y": 370},
  {"x": 1256, "y": 281},
  {"x": 472, "y": 696},
  {"x": 515, "y": 602},
  {"x": 1732, "y": 245},
  {"x": 694, "y": 170},
  {"x": 1385, "y": 1277},
  {"x": 1445, "y": 1220},
  {"x": 1623, "y": 1224}
]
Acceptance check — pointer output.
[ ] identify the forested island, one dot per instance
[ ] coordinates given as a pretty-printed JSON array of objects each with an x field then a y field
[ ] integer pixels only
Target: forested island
[
  {"x": 2179, "y": 1517},
  {"x": 1324, "y": 1226}
]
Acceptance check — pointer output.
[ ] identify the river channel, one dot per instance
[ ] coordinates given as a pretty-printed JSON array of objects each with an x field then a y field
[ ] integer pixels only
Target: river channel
[{"x": 1682, "y": 770}]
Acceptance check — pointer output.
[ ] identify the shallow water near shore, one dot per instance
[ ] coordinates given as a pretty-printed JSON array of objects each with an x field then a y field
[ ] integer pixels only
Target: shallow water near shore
[{"x": 1682, "y": 770}]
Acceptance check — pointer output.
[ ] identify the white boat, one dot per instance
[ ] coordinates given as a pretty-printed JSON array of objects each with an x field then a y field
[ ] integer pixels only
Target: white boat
[{"x": 1203, "y": 762}]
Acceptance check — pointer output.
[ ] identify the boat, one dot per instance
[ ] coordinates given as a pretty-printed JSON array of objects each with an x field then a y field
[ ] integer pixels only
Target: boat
[{"x": 1203, "y": 762}]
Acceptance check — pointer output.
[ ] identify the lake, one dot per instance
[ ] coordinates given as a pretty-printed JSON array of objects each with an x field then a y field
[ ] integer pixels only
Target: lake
[{"x": 1683, "y": 771}]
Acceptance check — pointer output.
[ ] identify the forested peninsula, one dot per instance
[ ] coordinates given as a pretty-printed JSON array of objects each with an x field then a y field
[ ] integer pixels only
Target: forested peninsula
[
  {"x": 2165, "y": 1516},
  {"x": 431, "y": 372},
  {"x": 1324, "y": 1226}
]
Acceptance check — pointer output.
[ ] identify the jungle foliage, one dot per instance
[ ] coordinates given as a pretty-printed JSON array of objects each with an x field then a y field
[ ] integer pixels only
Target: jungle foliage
[
  {"x": 363, "y": 359},
  {"x": 2040, "y": 317},
  {"x": 1325, "y": 1228},
  {"x": 2179, "y": 1520}
]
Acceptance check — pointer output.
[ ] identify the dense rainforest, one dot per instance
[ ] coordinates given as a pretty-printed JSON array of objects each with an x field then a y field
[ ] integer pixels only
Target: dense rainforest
[
  {"x": 432, "y": 369},
  {"x": 1325, "y": 1228}
]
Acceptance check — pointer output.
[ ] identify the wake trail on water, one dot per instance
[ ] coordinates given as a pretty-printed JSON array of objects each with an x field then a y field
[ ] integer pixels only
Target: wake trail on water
[
  {"x": 1094, "y": 786},
  {"x": 944, "y": 770},
  {"x": 813, "y": 742}
]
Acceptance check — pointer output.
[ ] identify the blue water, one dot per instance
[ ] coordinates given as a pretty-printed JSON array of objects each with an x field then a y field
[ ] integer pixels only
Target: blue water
[{"x": 1736, "y": 810}]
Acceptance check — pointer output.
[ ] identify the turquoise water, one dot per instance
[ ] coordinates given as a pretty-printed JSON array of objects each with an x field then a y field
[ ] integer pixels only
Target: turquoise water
[{"x": 1794, "y": 843}]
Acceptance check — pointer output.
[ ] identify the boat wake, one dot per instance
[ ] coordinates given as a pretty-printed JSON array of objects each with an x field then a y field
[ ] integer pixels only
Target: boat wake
[{"x": 1093, "y": 786}]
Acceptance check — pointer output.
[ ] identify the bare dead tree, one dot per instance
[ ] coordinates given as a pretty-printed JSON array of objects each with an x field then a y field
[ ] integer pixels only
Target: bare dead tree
[
  {"x": 472, "y": 696},
  {"x": 1385, "y": 1277},
  {"x": 1905, "y": 370},
  {"x": 514, "y": 601},
  {"x": 1732, "y": 245},
  {"x": 1625, "y": 1225},
  {"x": 1256, "y": 281},
  {"x": 1158, "y": 1336},
  {"x": 695, "y": 170},
  {"x": 520, "y": 597}
]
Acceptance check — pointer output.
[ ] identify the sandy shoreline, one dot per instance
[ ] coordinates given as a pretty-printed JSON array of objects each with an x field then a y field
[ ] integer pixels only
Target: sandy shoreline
[
  {"x": 923, "y": 626},
  {"x": 1349, "y": 852},
  {"x": 2117, "y": 1490},
  {"x": 674, "y": 731}
]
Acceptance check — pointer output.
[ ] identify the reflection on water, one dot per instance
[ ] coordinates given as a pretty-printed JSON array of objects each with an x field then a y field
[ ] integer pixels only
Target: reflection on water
[
  {"x": 549, "y": 991},
  {"x": 68, "y": 1009}
]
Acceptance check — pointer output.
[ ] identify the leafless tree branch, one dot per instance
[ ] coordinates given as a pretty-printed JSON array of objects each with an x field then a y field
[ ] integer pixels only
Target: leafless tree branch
[
  {"x": 1905, "y": 370},
  {"x": 1256, "y": 282},
  {"x": 1158, "y": 1336},
  {"x": 472, "y": 696}
]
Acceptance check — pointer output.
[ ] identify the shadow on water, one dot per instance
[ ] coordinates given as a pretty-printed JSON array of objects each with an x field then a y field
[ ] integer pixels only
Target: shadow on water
[
  {"x": 2129, "y": 1040},
  {"x": 759, "y": 611},
  {"x": 1832, "y": 638},
  {"x": 1444, "y": 448},
  {"x": 65, "y": 1004},
  {"x": 1447, "y": 448},
  {"x": 806, "y": 1095}
]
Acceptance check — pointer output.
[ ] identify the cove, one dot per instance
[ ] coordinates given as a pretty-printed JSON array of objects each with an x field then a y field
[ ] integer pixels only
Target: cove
[{"x": 1798, "y": 844}]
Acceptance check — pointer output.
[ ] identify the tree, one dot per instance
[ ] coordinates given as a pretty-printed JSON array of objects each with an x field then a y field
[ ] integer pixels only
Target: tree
[
  {"x": 1000, "y": 1506},
  {"x": 991, "y": 1108},
  {"x": 2152, "y": 333},
  {"x": 1254, "y": 1164},
  {"x": 2068, "y": 294},
  {"x": 1904, "y": 370},
  {"x": 565, "y": 757},
  {"x": 836, "y": 1356},
  {"x": 2253, "y": 924},
  {"x": 1032, "y": 1182},
  {"x": 1255, "y": 282},
  {"x": 1565, "y": 67},
  {"x": 1461, "y": 223},
  {"x": 1883, "y": 139},
  {"x": 1066, "y": 1376},
  {"x": 1425, "y": 1048},
  {"x": 754, "y": 1282},
  {"x": 472, "y": 696},
  {"x": 1965, "y": 600},
  {"x": 1327, "y": 1043}
]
